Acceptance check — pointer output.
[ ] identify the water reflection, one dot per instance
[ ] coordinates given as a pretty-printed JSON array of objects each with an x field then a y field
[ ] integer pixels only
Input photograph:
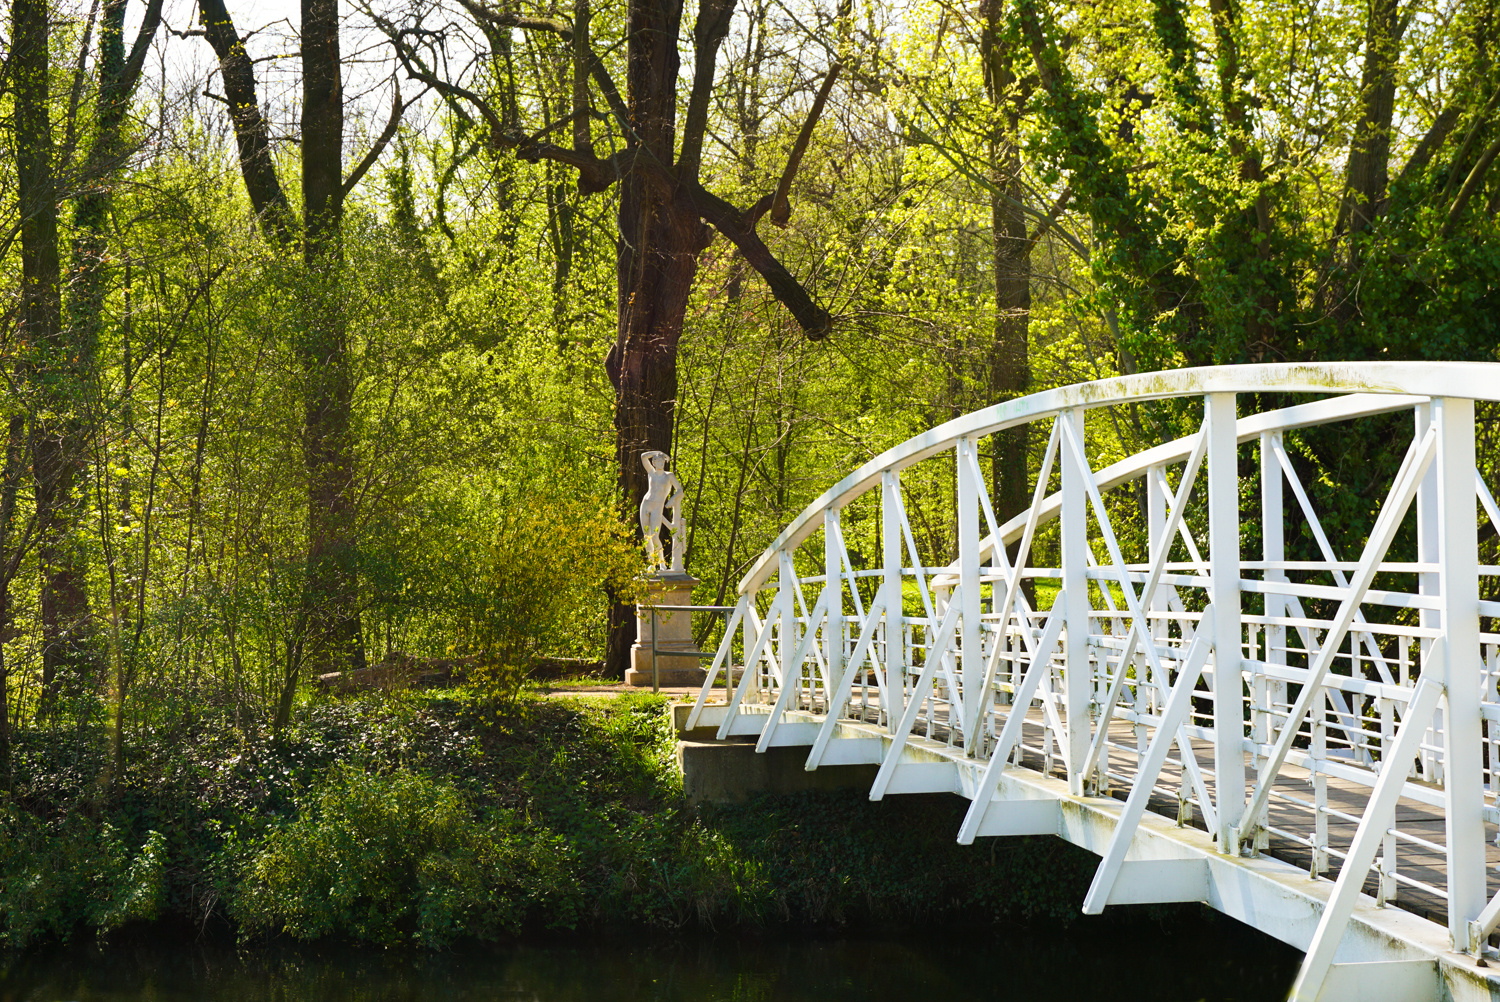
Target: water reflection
[{"x": 1196, "y": 957}]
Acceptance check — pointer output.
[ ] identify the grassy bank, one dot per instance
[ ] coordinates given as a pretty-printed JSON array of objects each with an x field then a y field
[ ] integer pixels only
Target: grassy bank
[{"x": 436, "y": 818}]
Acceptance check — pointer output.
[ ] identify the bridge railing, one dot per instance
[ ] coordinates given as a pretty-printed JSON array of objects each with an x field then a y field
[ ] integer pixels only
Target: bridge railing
[{"x": 1283, "y": 704}]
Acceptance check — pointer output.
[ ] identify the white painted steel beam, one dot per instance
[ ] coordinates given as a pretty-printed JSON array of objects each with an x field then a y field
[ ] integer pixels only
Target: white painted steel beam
[
  {"x": 1019, "y": 817},
  {"x": 1360, "y": 399},
  {"x": 1224, "y": 567},
  {"x": 1381, "y": 981},
  {"x": 968, "y": 490},
  {"x": 1161, "y": 881},
  {"x": 1458, "y": 584},
  {"x": 893, "y": 657},
  {"x": 1077, "y": 672}
]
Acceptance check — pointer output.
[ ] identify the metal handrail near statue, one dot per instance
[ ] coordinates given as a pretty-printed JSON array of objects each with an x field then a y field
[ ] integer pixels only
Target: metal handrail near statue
[{"x": 1309, "y": 746}]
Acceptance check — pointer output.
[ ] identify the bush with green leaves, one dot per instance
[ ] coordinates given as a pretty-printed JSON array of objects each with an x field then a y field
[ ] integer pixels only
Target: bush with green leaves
[
  {"x": 467, "y": 816},
  {"x": 55, "y": 877},
  {"x": 399, "y": 858}
]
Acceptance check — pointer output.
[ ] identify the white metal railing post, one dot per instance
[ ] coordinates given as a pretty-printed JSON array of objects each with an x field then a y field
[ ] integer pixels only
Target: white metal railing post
[
  {"x": 833, "y": 584},
  {"x": 895, "y": 632},
  {"x": 749, "y": 628},
  {"x": 1459, "y": 654},
  {"x": 1224, "y": 568},
  {"x": 1428, "y": 552},
  {"x": 971, "y": 659},
  {"x": 1156, "y": 525},
  {"x": 787, "y": 633},
  {"x": 1271, "y": 693},
  {"x": 1078, "y": 685}
]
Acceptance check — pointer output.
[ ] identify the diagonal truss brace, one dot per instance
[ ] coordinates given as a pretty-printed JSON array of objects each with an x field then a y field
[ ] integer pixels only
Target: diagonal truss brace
[
  {"x": 1321, "y": 537},
  {"x": 1141, "y": 630},
  {"x": 1372, "y": 828},
  {"x": 791, "y": 671},
  {"x": 918, "y": 696},
  {"x": 1173, "y": 717},
  {"x": 1414, "y": 467},
  {"x": 1013, "y": 589},
  {"x": 1010, "y": 734},
  {"x": 752, "y": 657},
  {"x": 846, "y": 683},
  {"x": 721, "y": 658}
]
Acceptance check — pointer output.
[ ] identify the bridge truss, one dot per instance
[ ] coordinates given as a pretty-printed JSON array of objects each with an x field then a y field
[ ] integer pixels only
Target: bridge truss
[{"x": 1310, "y": 747}]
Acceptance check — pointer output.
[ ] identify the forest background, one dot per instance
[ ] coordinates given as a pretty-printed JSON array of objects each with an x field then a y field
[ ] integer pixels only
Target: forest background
[{"x": 337, "y": 344}]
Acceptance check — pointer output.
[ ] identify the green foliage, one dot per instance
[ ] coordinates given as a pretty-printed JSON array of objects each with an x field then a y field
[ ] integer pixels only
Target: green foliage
[
  {"x": 468, "y": 817},
  {"x": 396, "y": 858},
  {"x": 530, "y": 578},
  {"x": 57, "y": 876}
]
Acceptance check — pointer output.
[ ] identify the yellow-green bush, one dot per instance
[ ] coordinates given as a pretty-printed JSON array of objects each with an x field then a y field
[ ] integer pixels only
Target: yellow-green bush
[{"x": 397, "y": 858}]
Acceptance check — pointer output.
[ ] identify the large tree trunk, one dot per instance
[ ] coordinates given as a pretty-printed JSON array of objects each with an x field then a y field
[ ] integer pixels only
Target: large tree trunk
[
  {"x": 252, "y": 135},
  {"x": 656, "y": 260},
  {"x": 10, "y": 561},
  {"x": 118, "y": 76},
  {"x": 1009, "y": 361},
  {"x": 1367, "y": 171},
  {"x": 49, "y": 365},
  {"x": 331, "y": 596},
  {"x": 663, "y": 209}
]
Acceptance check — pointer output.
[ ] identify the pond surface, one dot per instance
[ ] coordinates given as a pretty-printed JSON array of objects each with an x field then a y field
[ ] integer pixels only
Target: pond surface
[{"x": 1196, "y": 957}]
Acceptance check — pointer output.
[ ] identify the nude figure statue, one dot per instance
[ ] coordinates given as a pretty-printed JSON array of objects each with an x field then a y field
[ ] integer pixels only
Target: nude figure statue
[{"x": 663, "y": 491}]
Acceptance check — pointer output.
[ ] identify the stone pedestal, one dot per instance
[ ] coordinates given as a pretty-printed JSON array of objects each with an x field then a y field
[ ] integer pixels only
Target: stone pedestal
[{"x": 677, "y": 660}]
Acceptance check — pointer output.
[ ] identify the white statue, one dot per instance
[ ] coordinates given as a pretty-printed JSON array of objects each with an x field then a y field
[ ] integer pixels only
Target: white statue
[{"x": 663, "y": 491}]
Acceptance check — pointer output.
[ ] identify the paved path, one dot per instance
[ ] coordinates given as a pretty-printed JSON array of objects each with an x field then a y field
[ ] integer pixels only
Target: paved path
[{"x": 553, "y": 691}]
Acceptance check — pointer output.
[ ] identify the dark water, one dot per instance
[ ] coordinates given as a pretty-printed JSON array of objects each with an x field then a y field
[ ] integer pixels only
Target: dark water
[{"x": 1197, "y": 957}]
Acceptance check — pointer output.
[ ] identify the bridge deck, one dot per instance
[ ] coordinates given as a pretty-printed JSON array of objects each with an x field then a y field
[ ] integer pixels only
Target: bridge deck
[
  {"x": 1422, "y": 876},
  {"x": 1425, "y": 865}
]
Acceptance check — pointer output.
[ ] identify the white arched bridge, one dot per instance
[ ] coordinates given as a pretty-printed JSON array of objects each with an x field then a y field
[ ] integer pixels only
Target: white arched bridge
[{"x": 1311, "y": 746}]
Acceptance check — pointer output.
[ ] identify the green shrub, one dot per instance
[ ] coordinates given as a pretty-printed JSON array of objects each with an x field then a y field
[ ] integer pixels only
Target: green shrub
[
  {"x": 398, "y": 858},
  {"x": 54, "y": 877},
  {"x": 471, "y": 817}
]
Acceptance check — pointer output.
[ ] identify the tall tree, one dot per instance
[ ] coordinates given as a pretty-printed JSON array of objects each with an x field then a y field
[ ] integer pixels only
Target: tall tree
[
  {"x": 1009, "y": 356},
  {"x": 47, "y": 362},
  {"x": 666, "y": 218},
  {"x": 332, "y": 601},
  {"x": 330, "y": 616},
  {"x": 119, "y": 72},
  {"x": 61, "y": 348}
]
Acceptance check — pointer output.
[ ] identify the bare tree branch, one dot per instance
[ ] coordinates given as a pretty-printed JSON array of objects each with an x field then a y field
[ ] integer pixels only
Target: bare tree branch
[
  {"x": 1468, "y": 143},
  {"x": 815, "y": 321},
  {"x": 708, "y": 34},
  {"x": 1429, "y": 143},
  {"x": 1471, "y": 185},
  {"x": 781, "y": 207},
  {"x": 563, "y": 30},
  {"x": 397, "y": 110},
  {"x": 594, "y": 174},
  {"x": 1053, "y": 215}
]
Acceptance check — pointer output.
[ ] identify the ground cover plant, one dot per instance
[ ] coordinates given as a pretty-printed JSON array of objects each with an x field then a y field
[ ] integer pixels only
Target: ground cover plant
[{"x": 435, "y": 818}]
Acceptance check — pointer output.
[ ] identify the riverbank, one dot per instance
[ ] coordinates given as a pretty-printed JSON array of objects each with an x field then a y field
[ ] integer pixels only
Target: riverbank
[{"x": 430, "y": 819}]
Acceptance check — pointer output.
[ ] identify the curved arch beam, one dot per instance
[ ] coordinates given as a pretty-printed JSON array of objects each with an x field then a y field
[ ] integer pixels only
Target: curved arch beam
[{"x": 987, "y": 421}]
